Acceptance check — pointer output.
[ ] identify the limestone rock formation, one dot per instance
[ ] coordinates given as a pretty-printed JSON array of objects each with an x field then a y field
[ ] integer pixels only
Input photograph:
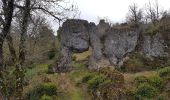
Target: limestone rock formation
[
  {"x": 74, "y": 35},
  {"x": 153, "y": 46},
  {"x": 110, "y": 45},
  {"x": 118, "y": 43}
]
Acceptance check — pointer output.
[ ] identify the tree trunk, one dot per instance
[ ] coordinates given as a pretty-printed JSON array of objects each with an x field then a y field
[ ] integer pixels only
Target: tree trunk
[
  {"x": 11, "y": 49},
  {"x": 1, "y": 55},
  {"x": 22, "y": 47},
  {"x": 8, "y": 8},
  {"x": 22, "y": 50}
]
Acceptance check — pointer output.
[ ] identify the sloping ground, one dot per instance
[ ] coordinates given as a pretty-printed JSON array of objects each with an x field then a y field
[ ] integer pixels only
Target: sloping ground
[
  {"x": 66, "y": 83},
  {"x": 129, "y": 77},
  {"x": 69, "y": 85}
]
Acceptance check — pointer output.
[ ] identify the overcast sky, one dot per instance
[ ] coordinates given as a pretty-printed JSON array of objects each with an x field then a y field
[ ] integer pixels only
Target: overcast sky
[{"x": 114, "y": 10}]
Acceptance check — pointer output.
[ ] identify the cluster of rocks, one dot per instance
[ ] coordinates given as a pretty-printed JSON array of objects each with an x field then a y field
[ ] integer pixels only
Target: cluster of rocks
[{"x": 110, "y": 45}]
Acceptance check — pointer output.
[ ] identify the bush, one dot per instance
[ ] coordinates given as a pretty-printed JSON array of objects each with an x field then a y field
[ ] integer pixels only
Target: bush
[
  {"x": 95, "y": 81},
  {"x": 48, "y": 89},
  {"x": 113, "y": 75},
  {"x": 43, "y": 89},
  {"x": 145, "y": 90},
  {"x": 156, "y": 82},
  {"x": 87, "y": 78},
  {"x": 164, "y": 72},
  {"x": 46, "y": 97}
]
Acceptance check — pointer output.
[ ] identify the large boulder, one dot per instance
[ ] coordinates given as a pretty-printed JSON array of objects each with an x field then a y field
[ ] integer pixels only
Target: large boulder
[{"x": 74, "y": 36}]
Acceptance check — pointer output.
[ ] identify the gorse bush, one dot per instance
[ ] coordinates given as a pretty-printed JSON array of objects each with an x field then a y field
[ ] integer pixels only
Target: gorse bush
[{"x": 145, "y": 90}]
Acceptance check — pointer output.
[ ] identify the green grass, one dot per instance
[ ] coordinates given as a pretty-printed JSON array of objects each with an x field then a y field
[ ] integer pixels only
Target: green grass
[
  {"x": 67, "y": 83},
  {"x": 37, "y": 69}
]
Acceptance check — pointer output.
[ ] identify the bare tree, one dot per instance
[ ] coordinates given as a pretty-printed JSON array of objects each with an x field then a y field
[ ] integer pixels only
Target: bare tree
[
  {"x": 153, "y": 12},
  {"x": 6, "y": 13},
  {"x": 24, "y": 10},
  {"x": 135, "y": 14}
]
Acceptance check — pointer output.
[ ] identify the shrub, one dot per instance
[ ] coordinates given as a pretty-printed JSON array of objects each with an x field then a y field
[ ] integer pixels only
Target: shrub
[
  {"x": 113, "y": 75},
  {"x": 46, "y": 97},
  {"x": 95, "y": 81},
  {"x": 48, "y": 89},
  {"x": 145, "y": 90},
  {"x": 164, "y": 71},
  {"x": 43, "y": 89},
  {"x": 87, "y": 78},
  {"x": 156, "y": 82}
]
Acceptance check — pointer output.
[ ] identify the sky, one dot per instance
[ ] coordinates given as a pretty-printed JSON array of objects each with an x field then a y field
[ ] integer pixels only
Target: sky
[{"x": 114, "y": 10}]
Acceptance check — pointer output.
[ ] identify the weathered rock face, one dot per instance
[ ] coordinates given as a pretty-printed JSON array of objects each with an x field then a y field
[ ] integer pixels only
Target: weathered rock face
[
  {"x": 110, "y": 45},
  {"x": 97, "y": 59},
  {"x": 74, "y": 35},
  {"x": 153, "y": 46},
  {"x": 118, "y": 43}
]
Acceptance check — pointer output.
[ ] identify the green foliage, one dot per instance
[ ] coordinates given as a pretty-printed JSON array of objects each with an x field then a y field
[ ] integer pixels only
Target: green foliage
[
  {"x": 113, "y": 75},
  {"x": 87, "y": 78},
  {"x": 96, "y": 81},
  {"x": 164, "y": 72},
  {"x": 145, "y": 90},
  {"x": 46, "y": 97},
  {"x": 156, "y": 82},
  {"x": 39, "y": 68},
  {"x": 153, "y": 29},
  {"x": 47, "y": 88},
  {"x": 43, "y": 89},
  {"x": 51, "y": 54}
]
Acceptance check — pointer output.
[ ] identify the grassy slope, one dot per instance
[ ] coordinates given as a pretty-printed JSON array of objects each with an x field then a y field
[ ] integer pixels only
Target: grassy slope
[{"x": 68, "y": 83}]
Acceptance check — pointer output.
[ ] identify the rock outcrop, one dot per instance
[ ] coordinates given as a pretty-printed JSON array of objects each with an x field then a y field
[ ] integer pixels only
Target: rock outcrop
[
  {"x": 110, "y": 45},
  {"x": 153, "y": 46},
  {"x": 74, "y": 36}
]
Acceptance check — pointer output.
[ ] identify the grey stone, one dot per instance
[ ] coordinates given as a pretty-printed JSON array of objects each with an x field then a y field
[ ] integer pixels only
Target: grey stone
[{"x": 110, "y": 45}]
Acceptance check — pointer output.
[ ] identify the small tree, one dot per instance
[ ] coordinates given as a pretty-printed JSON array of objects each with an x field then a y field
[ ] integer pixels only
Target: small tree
[
  {"x": 135, "y": 14},
  {"x": 153, "y": 12}
]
